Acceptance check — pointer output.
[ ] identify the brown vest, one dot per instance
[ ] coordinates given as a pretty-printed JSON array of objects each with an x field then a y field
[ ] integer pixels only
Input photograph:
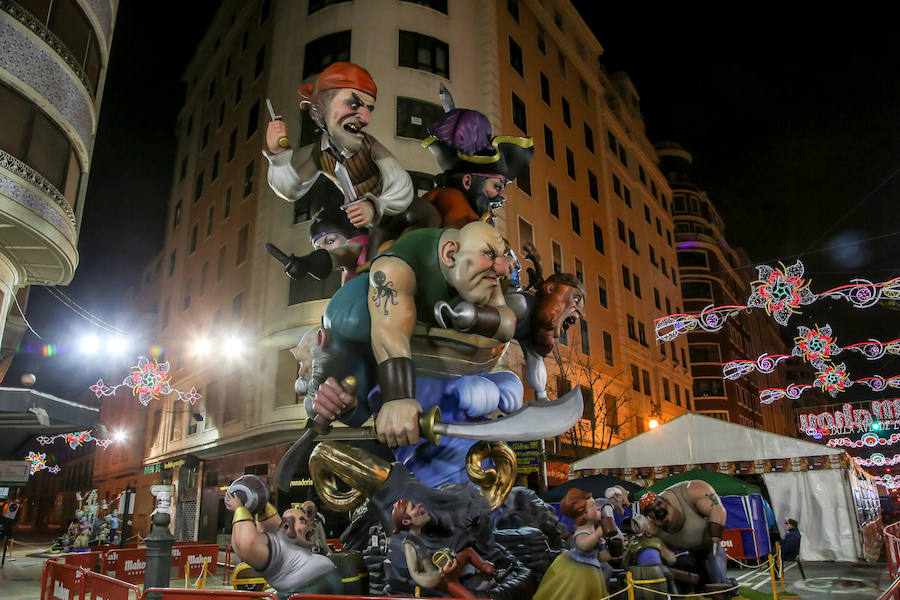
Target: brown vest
[{"x": 364, "y": 173}]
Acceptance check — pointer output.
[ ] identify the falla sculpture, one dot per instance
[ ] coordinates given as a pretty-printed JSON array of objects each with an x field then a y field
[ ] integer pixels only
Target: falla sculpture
[{"x": 408, "y": 356}]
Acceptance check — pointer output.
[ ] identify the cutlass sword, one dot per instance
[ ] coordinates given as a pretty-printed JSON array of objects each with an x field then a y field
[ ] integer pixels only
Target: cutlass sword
[{"x": 534, "y": 421}]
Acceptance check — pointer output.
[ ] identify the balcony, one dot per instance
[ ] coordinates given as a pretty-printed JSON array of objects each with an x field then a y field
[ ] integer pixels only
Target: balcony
[{"x": 37, "y": 226}]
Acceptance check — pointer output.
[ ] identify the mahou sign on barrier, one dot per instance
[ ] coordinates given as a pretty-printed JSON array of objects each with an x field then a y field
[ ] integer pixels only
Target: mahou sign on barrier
[
  {"x": 195, "y": 556},
  {"x": 131, "y": 564},
  {"x": 60, "y": 581},
  {"x": 101, "y": 587}
]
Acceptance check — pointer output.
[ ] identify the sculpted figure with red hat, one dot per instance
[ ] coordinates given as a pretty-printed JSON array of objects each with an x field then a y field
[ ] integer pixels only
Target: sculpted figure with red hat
[{"x": 377, "y": 189}]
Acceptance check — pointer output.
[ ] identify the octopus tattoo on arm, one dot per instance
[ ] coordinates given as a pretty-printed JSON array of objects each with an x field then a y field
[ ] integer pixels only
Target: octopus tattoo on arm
[
  {"x": 713, "y": 499},
  {"x": 384, "y": 291}
]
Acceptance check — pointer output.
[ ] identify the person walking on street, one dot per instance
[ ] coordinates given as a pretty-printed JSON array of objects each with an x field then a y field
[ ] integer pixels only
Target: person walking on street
[{"x": 790, "y": 546}]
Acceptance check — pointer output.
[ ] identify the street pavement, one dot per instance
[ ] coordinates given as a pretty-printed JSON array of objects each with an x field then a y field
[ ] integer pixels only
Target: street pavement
[{"x": 20, "y": 578}]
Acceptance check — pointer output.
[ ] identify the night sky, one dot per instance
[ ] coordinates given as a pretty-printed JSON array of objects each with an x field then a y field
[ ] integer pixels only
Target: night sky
[{"x": 793, "y": 122}]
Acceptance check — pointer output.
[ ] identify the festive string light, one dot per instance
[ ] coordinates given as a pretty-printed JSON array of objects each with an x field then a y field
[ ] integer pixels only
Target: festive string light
[
  {"x": 148, "y": 381},
  {"x": 781, "y": 293},
  {"x": 832, "y": 380},
  {"x": 888, "y": 481},
  {"x": 877, "y": 459},
  {"x": 74, "y": 439},
  {"x": 38, "y": 462},
  {"x": 816, "y": 347},
  {"x": 868, "y": 440}
]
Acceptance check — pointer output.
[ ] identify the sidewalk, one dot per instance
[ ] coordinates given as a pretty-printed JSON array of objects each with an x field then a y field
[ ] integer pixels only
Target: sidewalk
[{"x": 843, "y": 581}]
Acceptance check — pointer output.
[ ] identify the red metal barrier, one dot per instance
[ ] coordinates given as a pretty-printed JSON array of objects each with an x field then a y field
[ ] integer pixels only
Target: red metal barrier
[
  {"x": 228, "y": 566},
  {"x": 60, "y": 581},
  {"x": 130, "y": 565},
  {"x": 893, "y": 592},
  {"x": 342, "y": 597},
  {"x": 892, "y": 548},
  {"x": 335, "y": 543},
  {"x": 176, "y": 594},
  {"x": 194, "y": 555},
  {"x": 88, "y": 560},
  {"x": 97, "y": 586}
]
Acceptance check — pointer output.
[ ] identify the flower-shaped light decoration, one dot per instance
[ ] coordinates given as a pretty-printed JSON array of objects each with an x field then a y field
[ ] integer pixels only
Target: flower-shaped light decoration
[
  {"x": 781, "y": 291},
  {"x": 38, "y": 462},
  {"x": 149, "y": 380},
  {"x": 833, "y": 379},
  {"x": 77, "y": 438},
  {"x": 815, "y": 346}
]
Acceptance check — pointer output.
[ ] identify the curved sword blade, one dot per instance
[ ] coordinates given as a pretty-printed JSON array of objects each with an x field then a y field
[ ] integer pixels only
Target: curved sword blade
[{"x": 534, "y": 421}]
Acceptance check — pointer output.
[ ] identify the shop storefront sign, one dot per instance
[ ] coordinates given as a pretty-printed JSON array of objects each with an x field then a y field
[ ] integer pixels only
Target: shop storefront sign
[
  {"x": 157, "y": 467},
  {"x": 306, "y": 482},
  {"x": 528, "y": 455}
]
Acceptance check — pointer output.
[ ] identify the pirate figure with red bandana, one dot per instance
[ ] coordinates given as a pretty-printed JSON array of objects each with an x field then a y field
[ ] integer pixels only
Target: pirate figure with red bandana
[{"x": 377, "y": 190}]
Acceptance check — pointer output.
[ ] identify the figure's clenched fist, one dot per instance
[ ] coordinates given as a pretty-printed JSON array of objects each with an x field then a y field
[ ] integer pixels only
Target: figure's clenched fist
[
  {"x": 361, "y": 213},
  {"x": 232, "y": 502},
  {"x": 332, "y": 400},
  {"x": 275, "y": 131},
  {"x": 397, "y": 423}
]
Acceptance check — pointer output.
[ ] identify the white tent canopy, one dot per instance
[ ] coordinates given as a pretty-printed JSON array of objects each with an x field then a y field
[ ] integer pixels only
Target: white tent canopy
[{"x": 693, "y": 439}]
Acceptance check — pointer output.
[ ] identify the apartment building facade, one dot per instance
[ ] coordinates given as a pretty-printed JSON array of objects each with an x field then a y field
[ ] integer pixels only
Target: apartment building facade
[
  {"x": 594, "y": 203},
  {"x": 52, "y": 71},
  {"x": 712, "y": 272}
]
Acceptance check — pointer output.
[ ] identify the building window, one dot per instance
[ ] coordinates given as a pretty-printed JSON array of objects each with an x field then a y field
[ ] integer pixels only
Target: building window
[
  {"x": 635, "y": 378},
  {"x": 221, "y": 118},
  {"x": 627, "y": 195},
  {"x": 708, "y": 386},
  {"x": 260, "y": 64},
  {"x": 243, "y": 239},
  {"x": 696, "y": 290},
  {"x": 512, "y": 7},
  {"x": 656, "y": 298},
  {"x": 210, "y": 212},
  {"x": 553, "y": 200},
  {"x": 622, "y": 155},
  {"x": 647, "y": 213},
  {"x": 238, "y": 91},
  {"x": 253, "y": 119},
  {"x": 608, "y": 349},
  {"x": 652, "y": 255},
  {"x": 518, "y": 112},
  {"x": 545, "y": 89},
  {"x": 674, "y": 276},
  {"x": 204, "y": 137},
  {"x": 645, "y": 378},
  {"x": 602, "y": 293},
  {"x": 626, "y": 278},
  {"x": 585, "y": 338},
  {"x": 187, "y": 294},
  {"x": 557, "y": 257},
  {"x": 523, "y": 180},
  {"x": 666, "y": 394},
  {"x": 232, "y": 144},
  {"x": 593, "y": 190},
  {"x": 683, "y": 358},
  {"x": 325, "y": 50},
  {"x": 613, "y": 142},
  {"x": 424, "y": 53},
  {"x": 631, "y": 329},
  {"x": 204, "y": 274},
  {"x": 237, "y": 308},
  {"x": 438, "y": 5},
  {"x": 220, "y": 265},
  {"x": 312, "y": 289},
  {"x": 193, "y": 242},
  {"x": 662, "y": 266},
  {"x": 526, "y": 232},
  {"x": 548, "y": 142},
  {"x": 541, "y": 42},
  {"x": 617, "y": 185},
  {"x": 176, "y": 216},
  {"x": 621, "y": 227},
  {"x": 642, "y": 334},
  {"x": 668, "y": 238},
  {"x": 226, "y": 208},
  {"x": 637, "y": 286},
  {"x": 642, "y": 175},
  {"x": 632, "y": 241},
  {"x": 198, "y": 187},
  {"x": 183, "y": 170},
  {"x": 705, "y": 353},
  {"x": 598, "y": 239},
  {"x": 515, "y": 57},
  {"x": 566, "y": 113},
  {"x": 248, "y": 179},
  {"x": 215, "y": 167},
  {"x": 561, "y": 59},
  {"x": 570, "y": 163},
  {"x": 171, "y": 263},
  {"x": 693, "y": 258},
  {"x": 687, "y": 399},
  {"x": 576, "y": 218},
  {"x": 588, "y": 137},
  {"x": 414, "y": 117},
  {"x": 579, "y": 270},
  {"x": 677, "y": 395}
]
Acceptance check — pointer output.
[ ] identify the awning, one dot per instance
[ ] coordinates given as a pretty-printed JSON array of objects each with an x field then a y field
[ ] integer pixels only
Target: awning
[{"x": 26, "y": 414}]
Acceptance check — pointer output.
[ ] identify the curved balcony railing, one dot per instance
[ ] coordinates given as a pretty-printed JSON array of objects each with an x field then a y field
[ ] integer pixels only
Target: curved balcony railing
[
  {"x": 42, "y": 31},
  {"x": 23, "y": 171}
]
